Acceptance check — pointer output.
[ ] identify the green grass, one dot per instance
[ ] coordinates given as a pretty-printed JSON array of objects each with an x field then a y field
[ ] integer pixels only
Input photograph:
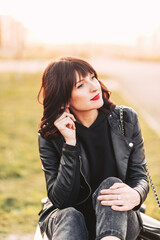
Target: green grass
[{"x": 22, "y": 182}]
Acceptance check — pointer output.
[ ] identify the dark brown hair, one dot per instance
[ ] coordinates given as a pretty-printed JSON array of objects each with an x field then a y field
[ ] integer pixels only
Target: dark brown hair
[{"x": 57, "y": 83}]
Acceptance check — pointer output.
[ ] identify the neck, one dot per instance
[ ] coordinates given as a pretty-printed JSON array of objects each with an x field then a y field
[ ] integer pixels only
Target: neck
[{"x": 86, "y": 118}]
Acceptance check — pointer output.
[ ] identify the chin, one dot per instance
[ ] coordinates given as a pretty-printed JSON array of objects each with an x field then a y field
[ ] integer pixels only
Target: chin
[
  {"x": 100, "y": 103},
  {"x": 100, "y": 106}
]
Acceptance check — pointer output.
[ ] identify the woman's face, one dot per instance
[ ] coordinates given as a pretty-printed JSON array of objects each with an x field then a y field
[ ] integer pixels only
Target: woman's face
[{"x": 86, "y": 94}]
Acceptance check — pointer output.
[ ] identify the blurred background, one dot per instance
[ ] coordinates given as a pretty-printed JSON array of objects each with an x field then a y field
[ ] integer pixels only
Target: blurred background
[{"x": 120, "y": 38}]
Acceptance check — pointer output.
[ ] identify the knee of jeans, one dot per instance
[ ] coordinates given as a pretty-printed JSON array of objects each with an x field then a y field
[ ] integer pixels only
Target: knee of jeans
[
  {"x": 72, "y": 213},
  {"x": 71, "y": 221},
  {"x": 107, "y": 183}
]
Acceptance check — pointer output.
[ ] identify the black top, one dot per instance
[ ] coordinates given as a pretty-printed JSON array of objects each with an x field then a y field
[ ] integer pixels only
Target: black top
[{"x": 97, "y": 143}]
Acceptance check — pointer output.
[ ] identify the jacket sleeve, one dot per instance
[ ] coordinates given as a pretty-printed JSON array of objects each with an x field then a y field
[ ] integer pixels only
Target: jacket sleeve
[
  {"x": 136, "y": 169},
  {"x": 62, "y": 172}
]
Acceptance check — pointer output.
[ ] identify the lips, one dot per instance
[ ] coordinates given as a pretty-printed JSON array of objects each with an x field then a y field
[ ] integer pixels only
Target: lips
[{"x": 96, "y": 97}]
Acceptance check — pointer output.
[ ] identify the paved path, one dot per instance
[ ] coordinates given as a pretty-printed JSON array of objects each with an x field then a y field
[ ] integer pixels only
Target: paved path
[
  {"x": 23, "y": 65},
  {"x": 18, "y": 237}
]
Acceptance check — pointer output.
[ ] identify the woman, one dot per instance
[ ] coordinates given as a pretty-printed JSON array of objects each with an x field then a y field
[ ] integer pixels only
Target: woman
[{"x": 93, "y": 159}]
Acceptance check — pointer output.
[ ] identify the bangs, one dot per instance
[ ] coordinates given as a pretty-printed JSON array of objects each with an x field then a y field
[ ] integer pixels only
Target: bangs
[
  {"x": 83, "y": 70},
  {"x": 80, "y": 67}
]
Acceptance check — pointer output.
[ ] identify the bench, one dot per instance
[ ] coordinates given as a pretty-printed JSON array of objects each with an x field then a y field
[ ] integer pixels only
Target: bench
[{"x": 38, "y": 235}]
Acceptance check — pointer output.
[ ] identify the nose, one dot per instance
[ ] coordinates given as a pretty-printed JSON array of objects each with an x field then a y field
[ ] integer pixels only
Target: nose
[{"x": 93, "y": 86}]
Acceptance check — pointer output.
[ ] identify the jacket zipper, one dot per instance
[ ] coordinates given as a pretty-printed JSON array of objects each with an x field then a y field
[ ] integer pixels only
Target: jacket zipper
[{"x": 84, "y": 179}]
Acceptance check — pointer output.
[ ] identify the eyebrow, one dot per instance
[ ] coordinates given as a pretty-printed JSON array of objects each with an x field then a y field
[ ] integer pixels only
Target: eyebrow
[{"x": 80, "y": 80}]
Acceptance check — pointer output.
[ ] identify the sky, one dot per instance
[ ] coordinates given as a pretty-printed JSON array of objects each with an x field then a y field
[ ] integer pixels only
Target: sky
[{"x": 85, "y": 21}]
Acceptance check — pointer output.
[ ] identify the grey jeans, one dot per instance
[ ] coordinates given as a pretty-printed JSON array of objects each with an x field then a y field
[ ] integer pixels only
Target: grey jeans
[{"x": 69, "y": 223}]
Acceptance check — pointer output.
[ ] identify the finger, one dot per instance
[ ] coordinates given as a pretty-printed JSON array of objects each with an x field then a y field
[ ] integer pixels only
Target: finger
[
  {"x": 68, "y": 114},
  {"x": 64, "y": 115},
  {"x": 108, "y": 197},
  {"x": 117, "y": 185},
  {"x": 65, "y": 122},
  {"x": 71, "y": 116},
  {"x": 112, "y": 203},
  {"x": 69, "y": 123},
  {"x": 67, "y": 110},
  {"x": 111, "y": 191},
  {"x": 120, "y": 208},
  {"x": 71, "y": 126}
]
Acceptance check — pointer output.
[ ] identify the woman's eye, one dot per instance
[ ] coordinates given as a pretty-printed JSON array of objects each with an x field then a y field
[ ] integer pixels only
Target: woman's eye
[{"x": 80, "y": 86}]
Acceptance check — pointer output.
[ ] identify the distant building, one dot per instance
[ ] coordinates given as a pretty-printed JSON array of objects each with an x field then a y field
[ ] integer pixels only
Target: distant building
[
  {"x": 156, "y": 42},
  {"x": 149, "y": 46},
  {"x": 12, "y": 36}
]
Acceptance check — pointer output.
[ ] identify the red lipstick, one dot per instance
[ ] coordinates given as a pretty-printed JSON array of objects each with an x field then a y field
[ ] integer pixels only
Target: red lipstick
[{"x": 96, "y": 97}]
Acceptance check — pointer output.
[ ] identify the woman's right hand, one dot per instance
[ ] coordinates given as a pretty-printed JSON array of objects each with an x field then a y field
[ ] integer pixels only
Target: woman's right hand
[{"x": 65, "y": 124}]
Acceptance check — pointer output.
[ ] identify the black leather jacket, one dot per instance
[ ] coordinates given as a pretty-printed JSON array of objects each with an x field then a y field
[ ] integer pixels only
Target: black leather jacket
[{"x": 66, "y": 170}]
